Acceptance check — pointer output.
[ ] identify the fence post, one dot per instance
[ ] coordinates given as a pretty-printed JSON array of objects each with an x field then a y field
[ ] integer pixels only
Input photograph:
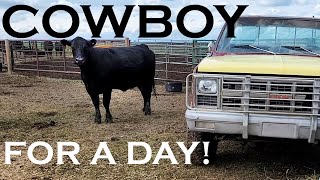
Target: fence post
[
  {"x": 194, "y": 53},
  {"x": 64, "y": 60},
  {"x": 127, "y": 42},
  {"x": 3, "y": 52},
  {"x": 8, "y": 56},
  {"x": 167, "y": 53},
  {"x": 37, "y": 57}
]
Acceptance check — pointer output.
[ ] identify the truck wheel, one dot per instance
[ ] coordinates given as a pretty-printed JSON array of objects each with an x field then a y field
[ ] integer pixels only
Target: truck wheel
[{"x": 197, "y": 157}]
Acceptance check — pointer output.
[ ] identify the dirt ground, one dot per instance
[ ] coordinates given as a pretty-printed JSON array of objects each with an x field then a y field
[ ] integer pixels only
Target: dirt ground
[{"x": 54, "y": 110}]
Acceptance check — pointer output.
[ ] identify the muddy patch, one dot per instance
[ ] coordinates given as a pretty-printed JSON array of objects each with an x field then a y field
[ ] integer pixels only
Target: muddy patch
[
  {"x": 43, "y": 125},
  {"x": 46, "y": 114},
  {"x": 6, "y": 93},
  {"x": 83, "y": 105},
  {"x": 22, "y": 86}
]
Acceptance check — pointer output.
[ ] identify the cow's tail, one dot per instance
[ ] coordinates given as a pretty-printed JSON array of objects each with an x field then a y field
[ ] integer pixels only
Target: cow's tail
[
  {"x": 154, "y": 89},
  {"x": 154, "y": 81}
]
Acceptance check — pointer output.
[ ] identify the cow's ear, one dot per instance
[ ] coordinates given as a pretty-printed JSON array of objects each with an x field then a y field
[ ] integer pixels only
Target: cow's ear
[
  {"x": 93, "y": 42},
  {"x": 65, "y": 42}
]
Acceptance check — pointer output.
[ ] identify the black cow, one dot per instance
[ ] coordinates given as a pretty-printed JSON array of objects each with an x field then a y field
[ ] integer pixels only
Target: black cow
[
  {"x": 48, "y": 48},
  {"x": 114, "y": 68},
  {"x": 58, "y": 47}
]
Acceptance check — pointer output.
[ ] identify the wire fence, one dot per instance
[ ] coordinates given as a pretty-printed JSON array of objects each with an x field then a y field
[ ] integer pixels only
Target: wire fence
[{"x": 175, "y": 59}]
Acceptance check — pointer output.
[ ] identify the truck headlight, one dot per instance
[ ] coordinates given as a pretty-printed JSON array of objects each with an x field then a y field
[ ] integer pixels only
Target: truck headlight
[{"x": 208, "y": 86}]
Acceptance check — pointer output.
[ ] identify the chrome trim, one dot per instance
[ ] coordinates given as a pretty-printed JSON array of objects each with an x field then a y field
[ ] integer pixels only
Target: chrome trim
[{"x": 232, "y": 123}]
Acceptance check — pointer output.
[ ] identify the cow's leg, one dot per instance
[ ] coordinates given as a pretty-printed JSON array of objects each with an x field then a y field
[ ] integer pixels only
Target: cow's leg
[
  {"x": 106, "y": 103},
  {"x": 146, "y": 91},
  {"x": 144, "y": 99},
  {"x": 96, "y": 103}
]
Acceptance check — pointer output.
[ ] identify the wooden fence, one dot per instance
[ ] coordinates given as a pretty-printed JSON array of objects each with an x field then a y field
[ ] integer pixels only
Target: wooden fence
[{"x": 175, "y": 59}]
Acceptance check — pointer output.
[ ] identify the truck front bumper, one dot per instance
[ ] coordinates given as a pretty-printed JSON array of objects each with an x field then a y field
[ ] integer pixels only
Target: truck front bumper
[{"x": 249, "y": 124}]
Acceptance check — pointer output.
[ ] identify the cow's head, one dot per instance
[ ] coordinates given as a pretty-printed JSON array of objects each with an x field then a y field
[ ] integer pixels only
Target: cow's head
[{"x": 80, "y": 48}]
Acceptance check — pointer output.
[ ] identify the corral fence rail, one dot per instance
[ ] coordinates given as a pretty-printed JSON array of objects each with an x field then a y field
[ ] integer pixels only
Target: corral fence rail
[{"x": 175, "y": 58}]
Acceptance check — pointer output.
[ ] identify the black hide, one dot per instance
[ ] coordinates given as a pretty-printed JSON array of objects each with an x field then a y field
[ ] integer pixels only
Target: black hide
[{"x": 114, "y": 68}]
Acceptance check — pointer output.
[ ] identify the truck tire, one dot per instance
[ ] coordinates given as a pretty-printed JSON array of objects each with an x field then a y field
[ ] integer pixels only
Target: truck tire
[{"x": 197, "y": 157}]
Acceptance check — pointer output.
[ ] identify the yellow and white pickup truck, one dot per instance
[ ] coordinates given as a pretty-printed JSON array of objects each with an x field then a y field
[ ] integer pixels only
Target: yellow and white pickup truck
[{"x": 262, "y": 84}]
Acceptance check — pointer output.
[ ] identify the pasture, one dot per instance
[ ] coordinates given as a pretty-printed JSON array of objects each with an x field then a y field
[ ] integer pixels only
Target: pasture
[{"x": 52, "y": 110}]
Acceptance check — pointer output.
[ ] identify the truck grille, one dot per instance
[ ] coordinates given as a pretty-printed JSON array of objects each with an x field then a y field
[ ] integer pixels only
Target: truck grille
[
  {"x": 207, "y": 100},
  {"x": 264, "y": 94}
]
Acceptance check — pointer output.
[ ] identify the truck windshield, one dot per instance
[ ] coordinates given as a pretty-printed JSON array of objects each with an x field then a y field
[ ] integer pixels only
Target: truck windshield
[{"x": 273, "y": 36}]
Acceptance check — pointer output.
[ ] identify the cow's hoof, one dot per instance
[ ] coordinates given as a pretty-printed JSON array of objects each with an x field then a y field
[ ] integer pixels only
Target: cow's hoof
[
  {"x": 147, "y": 113},
  {"x": 109, "y": 120},
  {"x": 97, "y": 121}
]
